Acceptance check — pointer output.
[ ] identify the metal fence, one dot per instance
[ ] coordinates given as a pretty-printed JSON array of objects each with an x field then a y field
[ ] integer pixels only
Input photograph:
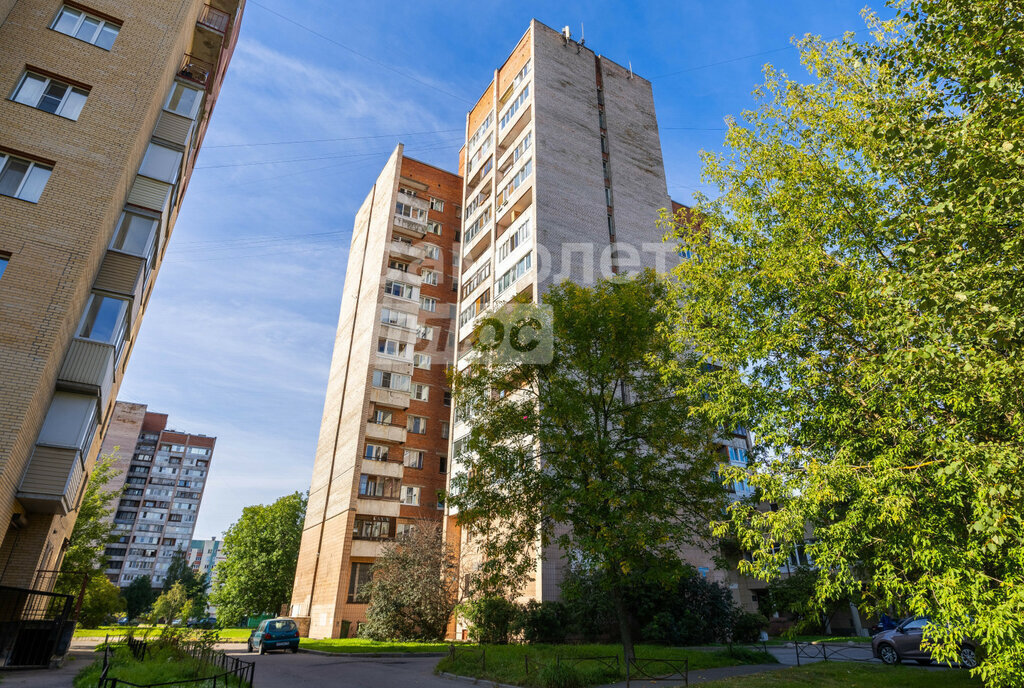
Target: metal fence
[
  {"x": 657, "y": 669},
  {"x": 35, "y": 626},
  {"x": 234, "y": 672},
  {"x": 833, "y": 652}
]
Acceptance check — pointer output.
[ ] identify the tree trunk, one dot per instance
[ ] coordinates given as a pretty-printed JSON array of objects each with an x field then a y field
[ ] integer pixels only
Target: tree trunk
[{"x": 625, "y": 625}]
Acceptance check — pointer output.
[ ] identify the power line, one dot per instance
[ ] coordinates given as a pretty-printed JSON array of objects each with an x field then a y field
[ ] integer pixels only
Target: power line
[
  {"x": 356, "y": 52},
  {"x": 349, "y": 138}
]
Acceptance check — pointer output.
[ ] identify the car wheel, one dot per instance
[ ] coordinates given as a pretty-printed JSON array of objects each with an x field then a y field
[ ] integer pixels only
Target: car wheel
[
  {"x": 888, "y": 654},
  {"x": 248, "y": 646},
  {"x": 295, "y": 649},
  {"x": 263, "y": 649},
  {"x": 968, "y": 657}
]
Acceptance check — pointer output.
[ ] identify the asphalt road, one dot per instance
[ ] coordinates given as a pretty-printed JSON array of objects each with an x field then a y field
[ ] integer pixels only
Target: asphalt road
[{"x": 287, "y": 670}]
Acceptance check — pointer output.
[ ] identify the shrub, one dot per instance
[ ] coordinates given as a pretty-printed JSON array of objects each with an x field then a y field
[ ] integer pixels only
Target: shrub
[
  {"x": 490, "y": 619},
  {"x": 561, "y": 676},
  {"x": 541, "y": 622},
  {"x": 747, "y": 627}
]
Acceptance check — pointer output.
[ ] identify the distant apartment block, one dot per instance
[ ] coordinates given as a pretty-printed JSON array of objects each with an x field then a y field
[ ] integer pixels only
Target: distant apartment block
[
  {"x": 163, "y": 475},
  {"x": 381, "y": 459},
  {"x": 105, "y": 107},
  {"x": 203, "y": 555}
]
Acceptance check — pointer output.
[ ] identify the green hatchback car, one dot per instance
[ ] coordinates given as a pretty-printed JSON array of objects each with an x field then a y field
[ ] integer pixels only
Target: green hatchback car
[{"x": 274, "y": 634}]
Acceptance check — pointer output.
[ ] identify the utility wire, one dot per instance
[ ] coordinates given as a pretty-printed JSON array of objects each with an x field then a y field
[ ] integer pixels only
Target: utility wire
[{"x": 356, "y": 52}]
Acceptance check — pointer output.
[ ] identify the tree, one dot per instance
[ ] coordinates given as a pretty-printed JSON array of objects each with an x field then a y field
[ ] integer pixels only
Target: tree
[
  {"x": 139, "y": 597},
  {"x": 859, "y": 282},
  {"x": 101, "y": 603},
  {"x": 414, "y": 588},
  {"x": 261, "y": 551},
  {"x": 196, "y": 585},
  {"x": 93, "y": 530},
  {"x": 171, "y": 605},
  {"x": 595, "y": 441}
]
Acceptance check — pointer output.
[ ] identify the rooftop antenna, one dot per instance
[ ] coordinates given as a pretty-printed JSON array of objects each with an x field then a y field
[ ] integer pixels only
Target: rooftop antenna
[
  {"x": 579, "y": 46},
  {"x": 631, "y": 69},
  {"x": 566, "y": 34}
]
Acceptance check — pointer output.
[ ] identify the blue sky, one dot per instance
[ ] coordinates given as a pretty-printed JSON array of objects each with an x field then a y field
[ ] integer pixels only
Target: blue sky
[{"x": 237, "y": 338}]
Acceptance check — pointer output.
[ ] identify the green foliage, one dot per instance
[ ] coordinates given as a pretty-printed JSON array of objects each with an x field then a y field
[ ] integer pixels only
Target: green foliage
[
  {"x": 172, "y": 605},
  {"x": 859, "y": 292},
  {"x": 261, "y": 550},
  {"x": 414, "y": 588},
  {"x": 541, "y": 622},
  {"x": 179, "y": 571},
  {"x": 850, "y": 675},
  {"x": 747, "y": 627},
  {"x": 561, "y": 676},
  {"x": 164, "y": 663},
  {"x": 139, "y": 597},
  {"x": 490, "y": 619},
  {"x": 102, "y": 602},
  {"x": 595, "y": 441},
  {"x": 93, "y": 530}
]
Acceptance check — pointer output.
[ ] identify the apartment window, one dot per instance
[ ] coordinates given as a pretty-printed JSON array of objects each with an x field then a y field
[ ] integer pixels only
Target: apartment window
[
  {"x": 413, "y": 458},
  {"x": 135, "y": 234},
  {"x": 608, "y": 195},
  {"x": 421, "y": 360},
  {"x": 738, "y": 456},
  {"x": 420, "y": 392},
  {"x": 104, "y": 320},
  {"x": 389, "y": 380},
  {"x": 478, "y": 225},
  {"x": 516, "y": 182},
  {"x": 4, "y": 259},
  {"x": 476, "y": 280},
  {"x": 22, "y": 179},
  {"x": 432, "y": 251},
  {"x": 428, "y": 304},
  {"x": 382, "y": 417},
  {"x": 434, "y": 227},
  {"x": 379, "y": 486},
  {"x": 510, "y": 114},
  {"x": 475, "y": 308},
  {"x": 521, "y": 267},
  {"x": 392, "y": 317},
  {"x": 50, "y": 95},
  {"x": 201, "y": 451},
  {"x": 390, "y": 347},
  {"x": 86, "y": 27},
  {"x": 410, "y": 212},
  {"x": 405, "y": 530},
  {"x": 398, "y": 265},
  {"x": 444, "y": 429},
  {"x": 440, "y": 499},
  {"x": 184, "y": 100},
  {"x": 417, "y": 425},
  {"x": 411, "y": 495},
  {"x": 358, "y": 577},
  {"x": 442, "y": 464},
  {"x": 400, "y": 289},
  {"x": 376, "y": 452},
  {"x": 372, "y": 528},
  {"x": 447, "y": 398},
  {"x": 429, "y": 277},
  {"x": 161, "y": 162},
  {"x": 425, "y": 332},
  {"x": 436, "y": 204},
  {"x": 514, "y": 241}
]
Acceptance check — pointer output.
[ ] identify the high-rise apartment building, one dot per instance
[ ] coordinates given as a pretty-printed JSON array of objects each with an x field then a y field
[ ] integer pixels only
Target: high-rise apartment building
[
  {"x": 106, "y": 105},
  {"x": 204, "y": 555},
  {"x": 381, "y": 459},
  {"x": 161, "y": 476}
]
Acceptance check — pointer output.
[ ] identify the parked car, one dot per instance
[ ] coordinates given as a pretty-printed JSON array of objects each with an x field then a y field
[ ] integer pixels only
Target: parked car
[
  {"x": 274, "y": 634},
  {"x": 904, "y": 643},
  {"x": 207, "y": 623}
]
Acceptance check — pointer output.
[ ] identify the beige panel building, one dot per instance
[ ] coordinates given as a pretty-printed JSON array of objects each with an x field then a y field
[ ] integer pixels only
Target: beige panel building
[
  {"x": 106, "y": 105},
  {"x": 381, "y": 460}
]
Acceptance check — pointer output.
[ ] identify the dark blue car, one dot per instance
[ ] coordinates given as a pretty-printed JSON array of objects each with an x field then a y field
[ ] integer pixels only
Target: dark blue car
[{"x": 274, "y": 634}]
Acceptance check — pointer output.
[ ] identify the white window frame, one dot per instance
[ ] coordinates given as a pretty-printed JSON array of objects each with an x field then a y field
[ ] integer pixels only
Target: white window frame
[
  {"x": 432, "y": 251},
  {"x": 392, "y": 378},
  {"x": 421, "y": 361},
  {"x": 149, "y": 252},
  {"x": 425, "y": 332},
  {"x": 428, "y": 303},
  {"x": 410, "y": 495},
  {"x": 416, "y": 422},
  {"x": 434, "y": 227},
  {"x": 83, "y": 15},
  {"x": 420, "y": 391},
  {"x": 195, "y": 105},
  {"x": 46, "y": 84},
  {"x": 436, "y": 204},
  {"x": 5, "y": 158},
  {"x": 413, "y": 458},
  {"x": 151, "y": 158},
  {"x": 429, "y": 277},
  {"x": 120, "y": 326}
]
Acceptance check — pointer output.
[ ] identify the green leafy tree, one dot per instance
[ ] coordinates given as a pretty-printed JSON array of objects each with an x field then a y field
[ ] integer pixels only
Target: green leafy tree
[
  {"x": 595, "y": 441},
  {"x": 93, "y": 530},
  {"x": 860, "y": 285},
  {"x": 196, "y": 585},
  {"x": 171, "y": 605},
  {"x": 261, "y": 551},
  {"x": 101, "y": 603},
  {"x": 414, "y": 588},
  {"x": 139, "y": 597}
]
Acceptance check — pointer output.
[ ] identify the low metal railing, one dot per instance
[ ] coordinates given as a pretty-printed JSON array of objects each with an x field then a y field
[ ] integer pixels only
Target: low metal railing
[
  {"x": 195, "y": 70},
  {"x": 213, "y": 18}
]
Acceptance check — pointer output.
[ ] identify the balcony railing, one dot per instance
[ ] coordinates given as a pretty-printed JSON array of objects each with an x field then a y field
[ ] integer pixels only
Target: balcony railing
[
  {"x": 196, "y": 70},
  {"x": 214, "y": 19}
]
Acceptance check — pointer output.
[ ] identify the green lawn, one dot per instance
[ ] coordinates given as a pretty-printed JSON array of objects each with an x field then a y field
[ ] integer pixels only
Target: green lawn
[
  {"x": 161, "y": 665},
  {"x": 509, "y": 664},
  {"x": 226, "y": 634},
  {"x": 360, "y": 645},
  {"x": 852, "y": 675}
]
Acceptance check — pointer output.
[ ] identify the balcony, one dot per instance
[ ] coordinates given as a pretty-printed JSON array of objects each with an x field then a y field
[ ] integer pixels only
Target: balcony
[
  {"x": 389, "y": 397},
  {"x": 214, "y": 19},
  {"x": 54, "y": 477},
  {"x": 195, "y": 70},
  {"x": 401, "y": 249},
  {"x": 417, "y": 228},
  {"x": 385, "y": 432},
  {"x": 89, "y": 366}
]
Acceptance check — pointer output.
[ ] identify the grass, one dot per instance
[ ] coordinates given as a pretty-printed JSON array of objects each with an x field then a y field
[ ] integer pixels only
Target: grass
[
  {"x": 852, "y": 675},
  {"x": 508, "y": 664},
  {"x": 226, "y": 634},
  {"x": 362, "y": 646},
  {"x": 161, "y": 665}
]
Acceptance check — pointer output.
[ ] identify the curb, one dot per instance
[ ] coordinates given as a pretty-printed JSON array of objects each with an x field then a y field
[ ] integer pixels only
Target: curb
[
  {"x": 471, "y": 679},
  {"x": 373, "y": 655}
]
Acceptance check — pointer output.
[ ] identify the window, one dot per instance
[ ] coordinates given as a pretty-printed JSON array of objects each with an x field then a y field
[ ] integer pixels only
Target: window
[
  {"x": 372, "y": 528},
  {"x": 382, "y": 417},
  {"x": 480, "y": 130},
  {"x": 516, "y": 182},
  {"x": 392, "y": 317},
  {"x": 428, "y": 304},
  {"x": 4, "y": 259},
  {"x": 436, "y": 204},
  {"x": 514, "y": 241},
  {"x": 440, "y": 499},
  {"x": 359, "y": 576},
  {"x": 411, "y": 495},
  {"x": 429, "y": 277},
  {"x": 184, "y": 100},
  {"x": 400, "y": 289},
  {"x": 202, "y": 451},
  {"x": 104, "y": 320},
  {"x": 444, "y": 429},
  {"x": 22, "y": 179},
  {"x": 737, "y": 456},
  {"x": 135, "y": 234},
  {"x": 409, "y": 211},
  {"x": 521, "y": 267},
  {"x": 432, "y": 251},
  {"x": 510, "y": 114},
  {"x": 475, "y": 308},
  {"x": 417, "y": 425},
  {"x": 413, "y": 458},
  {"x": 406, "y": 530},
  {"x": 398, "y": 265},
  {"x": 389, "y": 380},
  {"x": 424, "y": 332},
  {"x": 476, "y": 280},
  {"x": 378, "y": 486},
  {"x": 421, "y": 360},
  {"x": 479, "y": 224},
  {"x": 520, "y": 151},
  {"x": 390, "y": 347},
  {"x": 161, "y": 162},
  {"x": 447, "y": 398},
  {"x": 420, "y": 392},
  {"x": 434, "y": 227},
  {"x": 85, "y": 27},
  {"x": 50, "y": 95},
  {"x": 376, "y": 452}
]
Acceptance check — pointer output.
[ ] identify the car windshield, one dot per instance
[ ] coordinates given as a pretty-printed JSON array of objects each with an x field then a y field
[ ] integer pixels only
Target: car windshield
[{"x": 281, "y": 626}]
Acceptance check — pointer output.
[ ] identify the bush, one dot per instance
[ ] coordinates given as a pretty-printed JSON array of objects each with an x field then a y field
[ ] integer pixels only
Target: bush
[
  {"x": 490, "y": 619},
  {"x": 561, "y": 676},
  {"x": 541, "y": 622},
  {"x": 747, "y": 627}
]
